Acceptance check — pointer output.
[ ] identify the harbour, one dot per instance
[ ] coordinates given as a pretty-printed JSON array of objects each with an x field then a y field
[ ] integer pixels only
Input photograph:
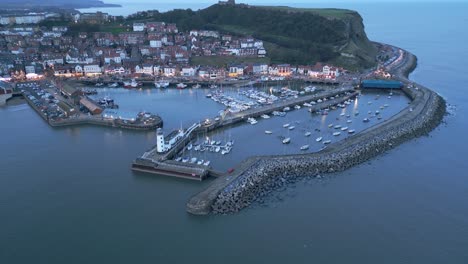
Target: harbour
[{"x": 406, "y": 205}]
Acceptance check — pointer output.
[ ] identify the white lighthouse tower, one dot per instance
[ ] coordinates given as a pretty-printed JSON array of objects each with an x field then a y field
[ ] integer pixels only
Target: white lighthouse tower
[{"x": 160, "y": 145}]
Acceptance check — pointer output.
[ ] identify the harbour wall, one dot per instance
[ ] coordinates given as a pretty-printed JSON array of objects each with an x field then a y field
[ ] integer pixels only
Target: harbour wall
[
  {"x": 81, "y": 121},
  {"x": 257, "y": 176}
]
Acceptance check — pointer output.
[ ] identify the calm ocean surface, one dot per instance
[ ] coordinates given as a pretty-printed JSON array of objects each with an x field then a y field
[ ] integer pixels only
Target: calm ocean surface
[{"x": 68, "y": 195}]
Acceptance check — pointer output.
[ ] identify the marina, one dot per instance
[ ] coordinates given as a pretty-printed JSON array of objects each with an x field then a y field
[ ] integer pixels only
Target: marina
[{"x": 291, "y": 137}]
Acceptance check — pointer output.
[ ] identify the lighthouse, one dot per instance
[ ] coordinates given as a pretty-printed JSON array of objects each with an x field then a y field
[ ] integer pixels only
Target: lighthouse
[{"x": 160, "y": 145}]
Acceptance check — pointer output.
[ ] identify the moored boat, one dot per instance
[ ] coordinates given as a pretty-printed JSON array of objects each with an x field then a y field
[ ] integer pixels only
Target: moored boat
[
  {"x": 286, "y": 140},
  {"x": 318, "y": 139},
  {"x": 305, "y": 147}
]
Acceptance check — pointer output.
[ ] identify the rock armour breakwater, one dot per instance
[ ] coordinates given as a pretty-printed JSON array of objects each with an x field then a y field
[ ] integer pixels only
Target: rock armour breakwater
[{"x": 264, "y": 174}]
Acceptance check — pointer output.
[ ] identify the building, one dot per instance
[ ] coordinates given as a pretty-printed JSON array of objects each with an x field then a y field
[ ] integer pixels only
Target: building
[
  {"x": 188, "y": 71},
  {"x": 138, "y": 26},
  {"x": 94, "y": 18},
  {"x": 90, "y": 70},
  {"x": 381, "y": 84},
  {"x": 92, "y": 107},
  {"x": 164, "y": 144}
]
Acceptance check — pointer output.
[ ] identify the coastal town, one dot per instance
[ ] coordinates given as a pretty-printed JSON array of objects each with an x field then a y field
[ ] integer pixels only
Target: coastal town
[
  {"x": 61, "y": 70},
  {"x": 147, "y": 50}
]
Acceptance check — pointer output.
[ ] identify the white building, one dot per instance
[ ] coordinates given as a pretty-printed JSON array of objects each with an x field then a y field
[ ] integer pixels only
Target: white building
[
  {"x": 92, "y": 69},
  {"x": 169, "y": 71},
  {"x": 164, "y": 144},
  {"x": 138, "y": 27},
  {"x": 188, "y": 71},
  {"x": 156, "y": 43}
]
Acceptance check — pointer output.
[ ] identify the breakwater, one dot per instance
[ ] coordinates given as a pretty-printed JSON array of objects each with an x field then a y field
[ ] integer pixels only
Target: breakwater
[{"x": 258, "y": 176}]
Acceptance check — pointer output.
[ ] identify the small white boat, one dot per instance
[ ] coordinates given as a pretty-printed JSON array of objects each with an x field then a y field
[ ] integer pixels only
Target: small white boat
[
  {"x": 389, "y": 97},
  {"x": 200, "y": 162},
  {"x": 286, "y": 109},
  {"x": 337, "y": 126},
  {"x": 351, "y": 131},
  {"x": 365, "y": 120},
  {"x": 319, "y": 101},
  {"x": 265, "y": 116},
  {"x": 286, "y": 140},
  {"x": 291, "y": 127},
  {"x": 342, "y": 114},
  {"x": 193, "y": 160},
  {"x": 330, "y": 125},
  {"x": 297, "y": 107},
  {"x": 178, "y": 159},
  {"x": 181, "y": 86},
  {"x": 327, "y": 142},
  {"x": 189, "y": 147},
  {"x": 305, "y": 147},
  {"x": 268, "y": 132},
  {"x": 207, "y": 163},
  {"x": 349, "y": 121},
  {"x": 307, "y": 134},
  {"x": 386, "y": 105},
  {"x": 318, "y": 139},
  {"x": 196, "y": 86},
  {"x": 185, "y": 160},
  {"x": 369, "y": 102},
  {"x": 344, "y": 128},
  {"x": 217, "y": 149},
  {"x": 337, "y": 134},
  {"x": 286, "y": 125}
]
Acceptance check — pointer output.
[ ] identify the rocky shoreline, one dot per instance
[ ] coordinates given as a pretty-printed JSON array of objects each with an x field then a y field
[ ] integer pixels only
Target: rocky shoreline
[{"x": 265, "y": 174}]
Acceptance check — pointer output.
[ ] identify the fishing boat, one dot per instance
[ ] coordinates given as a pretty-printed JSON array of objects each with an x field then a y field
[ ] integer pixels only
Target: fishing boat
[
  {"x": 131, "y": 84},
  {"x": 307, "y": 134},
  {"x": 268, "y": 132},
  {"x": 181, "y": 86},
  {"x": 286, "y": 140},
  {"x": 327, "y": 142},
  {"x": 337, "y": 134},
  {"x": 305, "y": 147},
  {"x": 161, "y": 84},
  {"x": 318, "y": 139},
  {"x": 252, "y": 121}
]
